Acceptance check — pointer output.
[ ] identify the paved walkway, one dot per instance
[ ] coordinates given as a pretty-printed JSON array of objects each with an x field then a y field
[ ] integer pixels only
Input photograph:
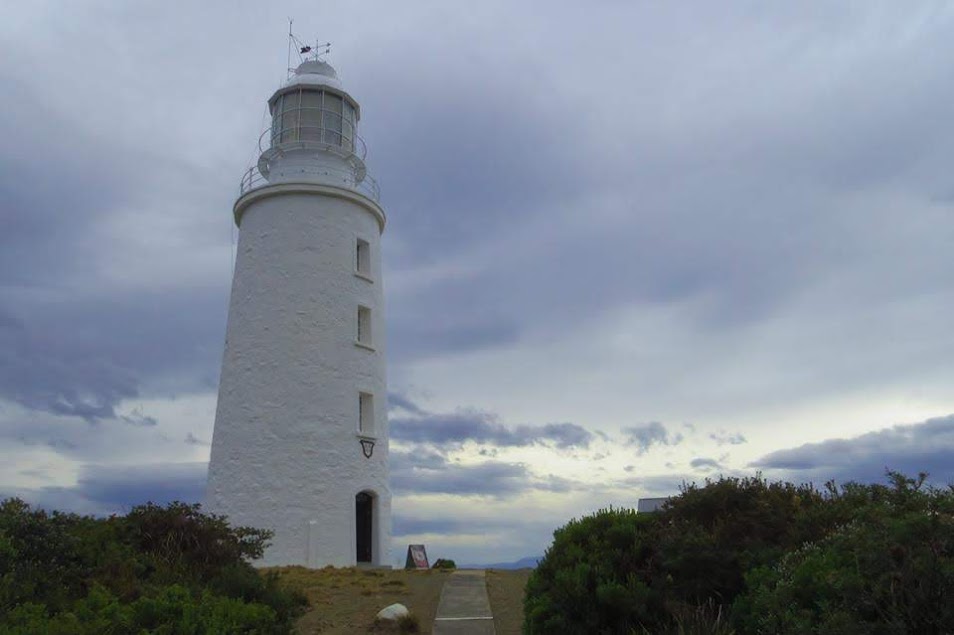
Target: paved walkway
[{"x": 464, "y": 608}]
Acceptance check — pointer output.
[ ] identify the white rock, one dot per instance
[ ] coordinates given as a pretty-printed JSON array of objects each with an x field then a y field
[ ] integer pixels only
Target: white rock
[{"x": 393, "y": 612}]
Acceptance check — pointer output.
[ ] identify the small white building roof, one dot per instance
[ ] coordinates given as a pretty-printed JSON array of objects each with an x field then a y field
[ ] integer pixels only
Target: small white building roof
[{"x": 644, "y": 505}]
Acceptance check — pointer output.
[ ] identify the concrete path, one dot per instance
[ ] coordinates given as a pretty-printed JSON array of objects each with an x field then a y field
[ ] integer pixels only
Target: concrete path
[{"x": 464, "y": 608}]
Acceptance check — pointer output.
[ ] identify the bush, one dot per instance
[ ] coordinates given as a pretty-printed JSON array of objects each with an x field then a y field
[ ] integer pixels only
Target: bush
[
  {"x": 715, "y": 533},
  {"x": 158, "y": 570},
  {"x": 183, "y": 541},
  {"x": 599, "y": 576},
  {"x": 756, "y": 557},
  {"x": 441, "y": 563},
  {"x": 889, "y": 570}
]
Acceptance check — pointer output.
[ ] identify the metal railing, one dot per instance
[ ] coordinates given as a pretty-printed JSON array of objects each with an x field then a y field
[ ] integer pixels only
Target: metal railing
[
  {"x": 254, "y": 179},
  {"x": 322, "y": 127},
  {"x": 351, "y": 147}
]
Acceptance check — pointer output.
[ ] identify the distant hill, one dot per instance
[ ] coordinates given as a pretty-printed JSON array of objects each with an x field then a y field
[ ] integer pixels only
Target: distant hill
[{"x": 523, "y": 563}]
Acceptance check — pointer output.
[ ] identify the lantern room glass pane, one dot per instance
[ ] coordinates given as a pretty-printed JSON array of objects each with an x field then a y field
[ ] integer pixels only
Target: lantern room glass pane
[
  {"x": 347, "y": 135},
  {"x": 310, "y": 118},
  {"x": 277, "y": 120},
  {"x": 347, "y": 127},
  {"x": 290, "y": 111},
  {"x": 331, "y": 118}
]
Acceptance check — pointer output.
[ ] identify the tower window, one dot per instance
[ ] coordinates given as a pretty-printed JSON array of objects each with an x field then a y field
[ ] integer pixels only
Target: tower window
[
  {"x": 365, "y": 413},
  {"x": 364, "y": 326},
  {"x": 363, "y": 258}
]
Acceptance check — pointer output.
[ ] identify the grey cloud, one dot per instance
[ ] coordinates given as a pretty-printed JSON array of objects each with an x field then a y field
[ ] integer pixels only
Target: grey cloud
[
  {"x": 454, "y": 429},
  {"x": 705, "y": 464},
  {"x": 725, "y": 438},
  {"x": 191, "y": 439},
  {"x": 922, "y": 447},
  {"x": 48, "y": 184},
  {"x": 685, "y": 222},
  {"x": 397, "y": 401},
  {"x": 137, "y": 418},
  {"x": 482, "y": 479},
  {"x": 413, "y": 339},
  {"x": 104, "y": 489},
  {"x": 45, "y": 367},
  {"x": 654, "y": 485},
  {"x": 123, "y": 487},
  {"x": 558, "y": 484},
  {"x": 645, "y": 436},
  {"x": 61, "y": 444},
  {"x": 426, "y": 472},
  {"x": 445, "y": 430},
  {"x": 420, "y": 458},
  {"x": 73, "y": 340},
  {"x": 39, "y": 371},
  {"x": 684, "y": 217},
  {"x": 404, "y": 526}
]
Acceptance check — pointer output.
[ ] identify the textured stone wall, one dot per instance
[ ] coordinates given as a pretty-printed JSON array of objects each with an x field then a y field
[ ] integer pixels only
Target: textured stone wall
[{"x": 285, "y": 451}]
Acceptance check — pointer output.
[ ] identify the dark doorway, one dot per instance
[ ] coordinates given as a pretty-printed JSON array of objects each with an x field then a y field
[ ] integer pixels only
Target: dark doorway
[{"x": 364, "y": 510}]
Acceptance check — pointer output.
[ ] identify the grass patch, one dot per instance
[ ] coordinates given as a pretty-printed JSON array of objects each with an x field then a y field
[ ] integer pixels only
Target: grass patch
[
  {"x": 505, "y": 590},
  {"x": 346, "y": 601}
]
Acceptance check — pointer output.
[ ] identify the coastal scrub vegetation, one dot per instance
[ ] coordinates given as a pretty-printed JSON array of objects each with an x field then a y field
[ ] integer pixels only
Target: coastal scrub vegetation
[
  {"x": 749, "y": 556},
  {"x": 158, "y": 569}
]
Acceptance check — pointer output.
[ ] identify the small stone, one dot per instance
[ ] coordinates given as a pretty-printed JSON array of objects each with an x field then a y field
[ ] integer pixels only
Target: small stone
[{"x": 393, "y": 612}]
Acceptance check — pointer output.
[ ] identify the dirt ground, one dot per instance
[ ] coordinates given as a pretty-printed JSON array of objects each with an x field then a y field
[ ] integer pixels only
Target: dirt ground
[
  {"x": 345, "y": 601},
  {"x": 505, "y": 589}
]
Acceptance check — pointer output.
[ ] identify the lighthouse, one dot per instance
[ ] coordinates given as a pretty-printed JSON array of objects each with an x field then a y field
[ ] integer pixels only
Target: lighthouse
[{"x": 300, "y": 445}]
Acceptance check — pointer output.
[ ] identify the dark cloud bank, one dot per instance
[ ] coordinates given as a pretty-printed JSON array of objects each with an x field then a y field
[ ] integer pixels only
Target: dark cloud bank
[
  {"x": 106, "y": 489},
  {"x": 644, "y": 436},
  {"x": 425, "y": 468},
  {"x": 452, "y": 430},
  {"x": 926, "y": 446},
  {"x": 912, "y": 448}
]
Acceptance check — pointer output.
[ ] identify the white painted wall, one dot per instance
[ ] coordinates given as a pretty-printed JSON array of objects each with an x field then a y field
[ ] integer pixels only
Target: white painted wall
[{"x": 285, "y": 451}]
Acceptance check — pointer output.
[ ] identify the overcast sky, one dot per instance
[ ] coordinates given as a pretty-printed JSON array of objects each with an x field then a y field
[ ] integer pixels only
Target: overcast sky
[{"x": 629, "y": 244}]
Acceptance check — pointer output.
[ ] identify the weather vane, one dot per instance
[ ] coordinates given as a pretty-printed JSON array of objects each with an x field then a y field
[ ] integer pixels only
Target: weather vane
[{"x": 305, "y": 51}]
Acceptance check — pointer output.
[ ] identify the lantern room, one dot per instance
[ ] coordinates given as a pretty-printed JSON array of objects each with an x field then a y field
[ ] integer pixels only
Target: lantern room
[
  {"x": 313, "y": 134},
  {"x": 311, "y": 107}
]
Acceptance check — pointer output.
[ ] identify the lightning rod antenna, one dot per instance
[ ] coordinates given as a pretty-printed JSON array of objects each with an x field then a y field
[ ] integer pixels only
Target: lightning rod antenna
[{"x": 288, "y": 59}]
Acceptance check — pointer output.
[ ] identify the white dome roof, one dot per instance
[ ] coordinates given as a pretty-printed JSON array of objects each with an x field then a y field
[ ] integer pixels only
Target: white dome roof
[{"x": 314, "y": 73}]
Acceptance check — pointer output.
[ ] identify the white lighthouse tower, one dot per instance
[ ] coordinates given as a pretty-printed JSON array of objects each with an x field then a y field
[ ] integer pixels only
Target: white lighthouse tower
[{"x": 301, "y": 436}]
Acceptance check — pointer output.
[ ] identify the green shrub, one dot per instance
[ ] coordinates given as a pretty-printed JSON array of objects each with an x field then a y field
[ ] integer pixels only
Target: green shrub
[
  {"x": 161, "y": 570},
  {"x": 715, "y": 533},
  {"x": 598, "y": 576},
  {"x": 441, "y": 563},
  {"x": 183, "y": 541},
  {"x": 755, "y": 557},
  {"x": 889, "y": 570}
]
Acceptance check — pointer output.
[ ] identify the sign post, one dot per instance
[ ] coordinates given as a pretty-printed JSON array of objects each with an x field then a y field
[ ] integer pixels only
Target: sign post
[{"x": 416, "y": 557}]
